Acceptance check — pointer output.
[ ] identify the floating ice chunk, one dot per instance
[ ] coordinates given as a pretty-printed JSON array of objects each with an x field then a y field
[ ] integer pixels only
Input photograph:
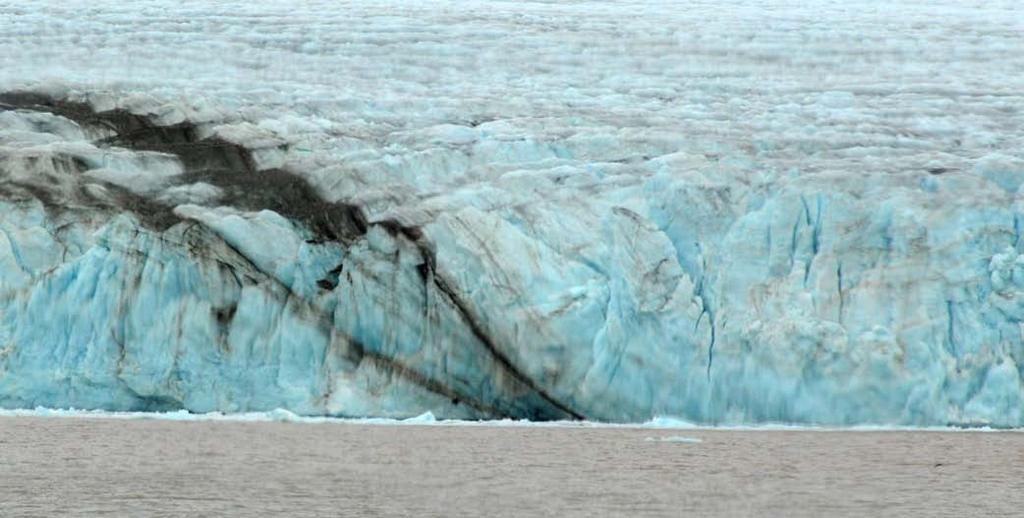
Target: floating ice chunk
[
  {"x": 675, "y": 438},
  {"x": 668, "y": 422},
  {"x": 424, "y": 418}
]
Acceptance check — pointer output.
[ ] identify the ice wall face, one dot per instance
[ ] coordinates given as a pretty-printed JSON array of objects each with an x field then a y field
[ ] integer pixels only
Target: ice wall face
[
  {"x": 118, "y": 322},
  {"x": 808, "y": 217},
  {"x": 140, "y": 272}
]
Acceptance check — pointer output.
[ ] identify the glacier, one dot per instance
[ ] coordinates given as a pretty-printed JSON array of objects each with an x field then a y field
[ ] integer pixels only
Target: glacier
[{"x": 810, "y": 214}]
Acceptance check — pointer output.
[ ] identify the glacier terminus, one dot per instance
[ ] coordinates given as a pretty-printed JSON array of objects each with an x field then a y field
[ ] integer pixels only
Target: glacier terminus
[{"x": 608, "y": 211}]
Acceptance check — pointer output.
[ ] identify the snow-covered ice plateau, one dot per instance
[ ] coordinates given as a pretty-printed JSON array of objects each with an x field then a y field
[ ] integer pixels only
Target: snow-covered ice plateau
[{"x": 730, "y": 212}]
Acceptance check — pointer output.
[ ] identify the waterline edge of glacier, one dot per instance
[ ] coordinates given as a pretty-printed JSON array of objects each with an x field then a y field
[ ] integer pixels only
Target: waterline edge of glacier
[{"x": 281, "y": 415}]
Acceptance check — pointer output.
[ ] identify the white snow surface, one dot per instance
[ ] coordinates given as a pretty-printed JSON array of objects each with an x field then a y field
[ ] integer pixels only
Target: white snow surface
[{"x": 732, "y": 211}]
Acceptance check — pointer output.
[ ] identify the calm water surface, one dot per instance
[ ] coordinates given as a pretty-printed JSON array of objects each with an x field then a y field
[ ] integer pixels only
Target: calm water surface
[{"x": 108, "y": 467}]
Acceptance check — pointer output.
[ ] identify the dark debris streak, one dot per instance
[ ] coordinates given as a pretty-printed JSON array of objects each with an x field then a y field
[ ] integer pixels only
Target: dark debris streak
[{"x": 232, "y": 168}]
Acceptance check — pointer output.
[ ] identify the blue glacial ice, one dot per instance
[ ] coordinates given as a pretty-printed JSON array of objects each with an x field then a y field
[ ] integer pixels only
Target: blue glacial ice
[{"x": 626, "y": 233}]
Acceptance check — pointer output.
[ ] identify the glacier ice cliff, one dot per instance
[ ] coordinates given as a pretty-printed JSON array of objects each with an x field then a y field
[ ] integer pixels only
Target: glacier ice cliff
[
  {"x": 159, "y": 267},
  {"x": 574, "y": 245}
]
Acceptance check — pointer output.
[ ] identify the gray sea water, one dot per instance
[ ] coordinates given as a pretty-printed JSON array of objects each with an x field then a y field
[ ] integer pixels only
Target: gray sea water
[{"x": 114, "y": 467}]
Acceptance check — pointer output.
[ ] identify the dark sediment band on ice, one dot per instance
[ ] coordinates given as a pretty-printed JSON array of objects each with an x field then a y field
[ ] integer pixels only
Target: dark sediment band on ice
[
  {"x": 232, "y": 168},
  {"x": 224, "y": 164}
]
